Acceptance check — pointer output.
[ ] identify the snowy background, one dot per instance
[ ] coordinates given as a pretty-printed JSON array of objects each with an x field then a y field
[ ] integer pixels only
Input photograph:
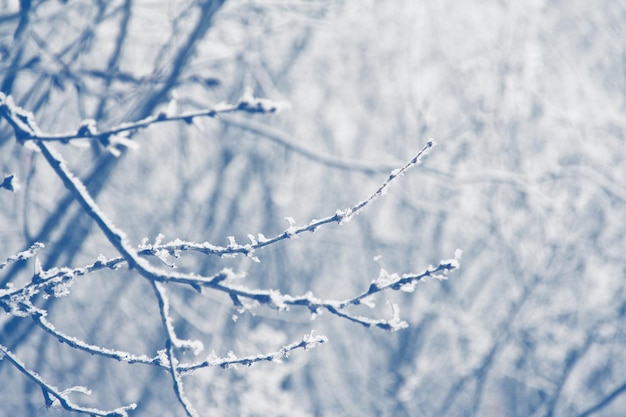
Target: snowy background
[{"x": 526, "y": 101}]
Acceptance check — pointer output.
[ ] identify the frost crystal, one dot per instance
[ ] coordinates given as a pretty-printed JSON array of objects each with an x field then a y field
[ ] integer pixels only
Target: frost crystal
[
  {"x": 344, "y": 216},
  {"x": 253, "y": 258},
  {"x": 395, "y": 173},
  {"x": 311, "y": 340},
  {"x": 291, "y": 231},
  {"x": 252, "y": 239},
  {"x": 252, "y": 104},
  {"x": 22, "y": 256},
  {"x": 62, "y": 290},
  {"x": 78, "y": 388},
  {"x": 457, "y": 257},
  {"x": 277, "y": 300},
  {"x": 162, "y": 358},
  {"x": 396, "y": 323},
  {"x": 159, "y": 239},
  {"x": 368, "y": 301},
  {"x": 385, "y": 279},
  {"x": 312, "y": 228}
]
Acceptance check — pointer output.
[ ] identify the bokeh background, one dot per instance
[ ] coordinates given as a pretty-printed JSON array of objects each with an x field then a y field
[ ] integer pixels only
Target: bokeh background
[{"x": 526, "y": 102}]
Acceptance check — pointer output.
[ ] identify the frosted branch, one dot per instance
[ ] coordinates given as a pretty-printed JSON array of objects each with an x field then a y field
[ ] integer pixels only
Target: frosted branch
[
  {"x": 308, "y": 341},
  {"x": 75, "y": 343},
  {"x": 24, "y": 255},
  {"x": 24, "y": 126},
  {"x": 171, "y": 342},
  {"x": 384, "y": 281},
  {"x": 260, "y": 241},
  {"x": 51, "y": 392}
]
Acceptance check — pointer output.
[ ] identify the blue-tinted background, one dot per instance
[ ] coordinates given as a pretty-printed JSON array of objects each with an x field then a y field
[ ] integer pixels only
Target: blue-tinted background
[{"x": 526, "y": 102}]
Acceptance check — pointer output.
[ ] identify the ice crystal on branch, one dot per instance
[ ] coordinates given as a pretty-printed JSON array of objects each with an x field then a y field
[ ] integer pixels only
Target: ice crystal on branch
[{"x": 24, "y": 255}]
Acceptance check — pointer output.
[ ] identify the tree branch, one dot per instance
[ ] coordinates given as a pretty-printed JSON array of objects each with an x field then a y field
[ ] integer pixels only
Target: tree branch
[{"x": 50, "y": 390}]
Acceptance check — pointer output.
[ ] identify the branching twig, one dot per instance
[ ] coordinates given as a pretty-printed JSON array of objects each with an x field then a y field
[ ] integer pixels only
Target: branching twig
[
  {"x": 50, "y": 390},
  {"x": 171, "y": 342},
  {"x": 383, "y": 282},
  {"x": 114, "y": 235},
  {"x": 308, "y": 341}
]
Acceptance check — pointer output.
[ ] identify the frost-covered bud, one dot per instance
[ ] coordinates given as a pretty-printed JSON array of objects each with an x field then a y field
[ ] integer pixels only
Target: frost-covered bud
[{"x": 87, "y": 128}]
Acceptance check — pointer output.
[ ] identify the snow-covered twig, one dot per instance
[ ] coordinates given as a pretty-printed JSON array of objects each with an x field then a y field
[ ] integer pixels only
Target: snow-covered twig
[
  {"x": 52, "y": 393},
  {"x": 24, "y": 255},
  {"x": 75, "y": 343},
  {"x": 308, "y": 341},
  {"x": 260, "y": 241},
  {"x": 384, "y": 281},
  {"x": 17, "y": 117},
  {"x": 115, "y": 236},
  {"x": 170, "y": 343}
]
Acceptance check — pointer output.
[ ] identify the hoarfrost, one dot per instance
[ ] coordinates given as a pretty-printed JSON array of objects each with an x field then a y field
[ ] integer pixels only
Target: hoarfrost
[
  {"x": 311, "y": 340},
  {"x": 162, "y": 358},
  {"x": 24, "y": 255},
  {"x": 368, "y": 301},
  {"x": 344, "y": 216},
  {"x": 77, "y": 388},
  {"x": 395, "y": 173},
  {"x": 396, "y": 323},
  {"x": 291, "y": 231},
  {"x": 410, "y": 287},
  {"x": 252, "y": 239},
  {"x": 311, "y": 226},
  {"x": 385, "y": 279}
]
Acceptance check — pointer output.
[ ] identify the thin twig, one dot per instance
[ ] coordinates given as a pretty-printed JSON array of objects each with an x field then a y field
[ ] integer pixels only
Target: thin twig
[
  {"x": 308, "y": 341},
  {"x": 170, "y": 343},
  {"x": 50, "y": 390},
  {"x": 340, "y": 216},
  {"x": 24, "y": 255},
  {"x": 75, "y": 343},
  {"x": 89, "y": 130},
  {"x": 275, "y": 299}
]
